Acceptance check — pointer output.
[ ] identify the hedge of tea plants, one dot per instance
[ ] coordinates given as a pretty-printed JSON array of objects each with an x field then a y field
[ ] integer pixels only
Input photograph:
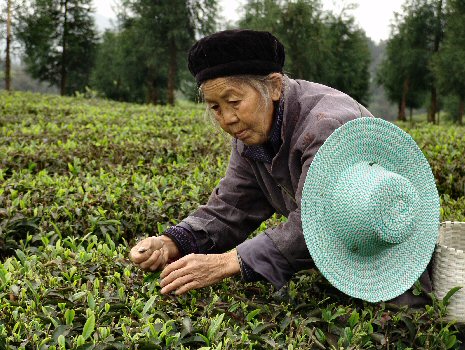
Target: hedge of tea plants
[{"x": 83, "y": 179}]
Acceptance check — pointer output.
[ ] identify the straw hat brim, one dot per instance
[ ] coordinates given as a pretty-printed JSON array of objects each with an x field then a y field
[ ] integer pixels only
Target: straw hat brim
[{"x": 388, "y": 272}]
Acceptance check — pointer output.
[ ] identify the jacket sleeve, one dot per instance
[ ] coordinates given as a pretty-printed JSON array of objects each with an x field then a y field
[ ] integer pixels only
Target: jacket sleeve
[
  {"x": 236, "y": 207},
  {"x": 288, "y": 251}
]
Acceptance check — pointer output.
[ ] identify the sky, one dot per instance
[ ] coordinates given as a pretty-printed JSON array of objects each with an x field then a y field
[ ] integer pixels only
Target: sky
[{"x": 374, "y": 16}]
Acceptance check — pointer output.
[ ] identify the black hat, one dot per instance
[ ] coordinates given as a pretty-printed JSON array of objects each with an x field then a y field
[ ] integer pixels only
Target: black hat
[{"x": 234, "y": 52}]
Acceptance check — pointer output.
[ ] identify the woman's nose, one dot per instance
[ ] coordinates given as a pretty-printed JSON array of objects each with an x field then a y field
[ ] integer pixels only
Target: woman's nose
[{"x": 230, "y": 116}]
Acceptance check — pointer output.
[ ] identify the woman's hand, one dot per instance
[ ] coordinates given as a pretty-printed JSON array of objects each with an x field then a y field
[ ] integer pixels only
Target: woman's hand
[
  {"x": 198, "y": 270},
  {"x": 153, "y": 253}
]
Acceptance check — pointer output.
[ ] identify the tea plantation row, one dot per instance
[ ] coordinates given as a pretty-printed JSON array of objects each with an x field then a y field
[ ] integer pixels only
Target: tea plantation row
[{"x": 81, "y": 180}]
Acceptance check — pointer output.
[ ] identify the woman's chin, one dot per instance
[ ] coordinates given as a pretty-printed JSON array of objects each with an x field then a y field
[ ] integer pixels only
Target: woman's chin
[{"x": 253, "y": 140}]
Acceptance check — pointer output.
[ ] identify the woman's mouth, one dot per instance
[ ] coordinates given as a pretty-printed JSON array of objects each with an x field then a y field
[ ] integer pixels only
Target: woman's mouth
[{"x": 241, "y": 134}]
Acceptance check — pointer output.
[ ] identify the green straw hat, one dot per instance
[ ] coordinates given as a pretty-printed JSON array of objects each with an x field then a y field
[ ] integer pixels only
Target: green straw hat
[{"x": 370, "y": 210}]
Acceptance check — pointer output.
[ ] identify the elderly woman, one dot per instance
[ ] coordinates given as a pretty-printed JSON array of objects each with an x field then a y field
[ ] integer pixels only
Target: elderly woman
[{"x": 278, "y": 124}]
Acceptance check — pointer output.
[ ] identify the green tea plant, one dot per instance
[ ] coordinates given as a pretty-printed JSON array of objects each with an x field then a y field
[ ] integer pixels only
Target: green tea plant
[
  {"x": 81, "y": 180},
  {"x": 444, "y": 148}
]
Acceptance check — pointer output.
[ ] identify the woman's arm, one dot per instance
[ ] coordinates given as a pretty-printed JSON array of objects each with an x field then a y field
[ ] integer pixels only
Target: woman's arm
[{"x": 236, "y": 207}]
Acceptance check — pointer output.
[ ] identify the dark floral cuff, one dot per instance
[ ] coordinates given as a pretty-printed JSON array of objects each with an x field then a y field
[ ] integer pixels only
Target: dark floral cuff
[
  {"x": 183, "y": 239},
  {"x": 247, "y": 273}
]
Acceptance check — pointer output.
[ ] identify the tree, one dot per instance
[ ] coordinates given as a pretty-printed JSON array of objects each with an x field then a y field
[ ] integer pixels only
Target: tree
[
  {"x": 7, "y": 11},
  {"x": 262, "y": 15},
  {"x": 449, "y": 64},
  {"x": 325, "y": 49},
  {"x": 302, "y": 31},
  {"x": 7, "y": 50},
  {"x": 405, "y": 72},
  {"x": 59, "y": 39},
  {"x": 299, "y": 26},
  {"x": 132, "y": 75},
  {"x": 348, "y": 60},
  {"x": 168, "y": 29},
  {"x": 437, "y": 25},
  {"x": 395, "y": 74}
]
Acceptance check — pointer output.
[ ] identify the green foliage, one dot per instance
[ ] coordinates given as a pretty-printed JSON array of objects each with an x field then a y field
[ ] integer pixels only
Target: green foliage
[
  {"x": 444, "y": 148},
  {"x": 404, "y": 71},
  {"x": 150, "y": 49},
  {"x": 449, "y": 64},
  {"x": 125, "y": 78},
  {"x": 59, "y": 39},
  {"x": 81, "y": 179},
  {"x": 320, "y": 47},
  {"x": 109, "y": 169},
  {"x": 349, "y": 58}
]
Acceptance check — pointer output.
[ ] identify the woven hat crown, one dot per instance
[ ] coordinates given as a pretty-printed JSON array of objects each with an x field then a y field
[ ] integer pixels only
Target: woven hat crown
[{"x": 373, "y": 208}]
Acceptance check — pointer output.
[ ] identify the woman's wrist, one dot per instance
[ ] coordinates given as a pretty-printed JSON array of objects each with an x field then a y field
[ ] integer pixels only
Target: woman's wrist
[
  {"x": 171, "y": 247},
  {"x": 231, "y": 263}
]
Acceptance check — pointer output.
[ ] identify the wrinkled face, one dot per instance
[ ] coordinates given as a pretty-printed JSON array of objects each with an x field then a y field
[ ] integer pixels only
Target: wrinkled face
[{"x": 240, "y": 109}]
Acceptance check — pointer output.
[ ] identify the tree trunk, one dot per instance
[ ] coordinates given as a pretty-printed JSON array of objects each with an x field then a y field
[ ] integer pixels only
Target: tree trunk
[
  {"x": 410, "y": 114},
  {"x": 403, "y": 104},
  {"x": 7, "y": 50},
  {"x": 461, "y": 111},
  {"x": 438, "y": 35},
  {"x": 152, "y": 92},
  {"x": 433, "y": 106},
  {"x": 172, "y": 71},
  {"x": 64, "y": 54},
  {"x": 399, "y": 106},
  {"x": 152, "y": 88}
]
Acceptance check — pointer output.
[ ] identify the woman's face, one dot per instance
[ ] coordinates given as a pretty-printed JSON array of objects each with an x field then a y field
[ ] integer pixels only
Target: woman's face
[{"x": 240, "y": 109}]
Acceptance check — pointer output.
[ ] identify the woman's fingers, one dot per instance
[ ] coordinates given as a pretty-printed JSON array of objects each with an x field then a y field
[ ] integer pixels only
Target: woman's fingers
[
  {"x": 154, "y": 257},
  {"x": 144, "y": 249},
  {"x": 187, "y": 287},
  {"x": 189, "y": 272},
  {"x": 138, "y": 257},
  {"x": 177, "y": 283},
  {"x": 176, "y": 265},
  {"x": 159, "y": 263}
]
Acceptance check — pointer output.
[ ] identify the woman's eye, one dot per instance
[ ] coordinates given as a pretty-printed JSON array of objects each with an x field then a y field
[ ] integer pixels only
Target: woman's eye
[
  {"x": 214, "y": 107},
  {"x": 234, "y": 102}
]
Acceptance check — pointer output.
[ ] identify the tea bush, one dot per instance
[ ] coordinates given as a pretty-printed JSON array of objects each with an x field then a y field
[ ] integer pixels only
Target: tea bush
[
  {"x": 444, "y": 147},
  {"x": 81, "y": 180}
]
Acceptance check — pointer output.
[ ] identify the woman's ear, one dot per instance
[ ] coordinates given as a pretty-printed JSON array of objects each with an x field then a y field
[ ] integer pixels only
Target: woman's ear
[{"x": 276, "y": 81}]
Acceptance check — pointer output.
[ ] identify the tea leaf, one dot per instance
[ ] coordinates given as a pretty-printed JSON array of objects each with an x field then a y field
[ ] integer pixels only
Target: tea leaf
[
  {"x": 149, "y": 305},
  {"x": 88, "y": 327},
  {"x": 449, "y": 294},
  {"x": 214, "y": 326}
]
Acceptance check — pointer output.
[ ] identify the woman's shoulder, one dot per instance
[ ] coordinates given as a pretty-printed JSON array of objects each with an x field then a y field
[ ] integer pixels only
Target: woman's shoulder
[
  {"x": 310, "y": 99},
  {"x": 306, "y": 89},
  {"x": 316, "y": 109}
]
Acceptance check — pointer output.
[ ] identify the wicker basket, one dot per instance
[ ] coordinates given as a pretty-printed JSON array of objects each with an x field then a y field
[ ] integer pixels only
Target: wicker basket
[{"x": 449, "y": 267}]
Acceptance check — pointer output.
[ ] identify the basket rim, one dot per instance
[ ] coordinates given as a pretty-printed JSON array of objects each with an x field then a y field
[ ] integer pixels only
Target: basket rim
[
  {"x": 447, "y": 222},
  {"x": 441, "y": 246}
]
